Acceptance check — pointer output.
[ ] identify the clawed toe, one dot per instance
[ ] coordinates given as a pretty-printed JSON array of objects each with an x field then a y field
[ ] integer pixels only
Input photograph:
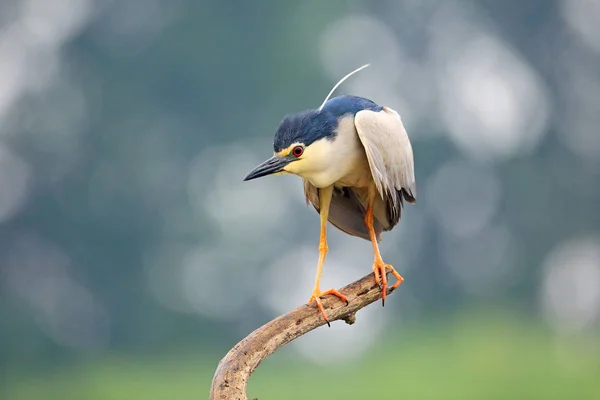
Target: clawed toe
[
  {"x": 316, "y": 296},
  {"x": 380, "y": 272}
]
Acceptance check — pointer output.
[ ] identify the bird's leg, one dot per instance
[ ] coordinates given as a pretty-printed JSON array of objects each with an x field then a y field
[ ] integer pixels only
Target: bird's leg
[
  {"x": 379, "y": 267},
  {"x": 324, "y": 202}
]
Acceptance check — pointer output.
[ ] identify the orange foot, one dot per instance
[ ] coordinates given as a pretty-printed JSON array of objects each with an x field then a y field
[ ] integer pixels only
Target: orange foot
[
  {"x": 379, "y": 269},
  {"x": 316, "y": 296}
]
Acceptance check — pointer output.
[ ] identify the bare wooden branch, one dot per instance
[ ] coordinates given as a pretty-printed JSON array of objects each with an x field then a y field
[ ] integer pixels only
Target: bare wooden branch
[{"x": 234, "y": 370}]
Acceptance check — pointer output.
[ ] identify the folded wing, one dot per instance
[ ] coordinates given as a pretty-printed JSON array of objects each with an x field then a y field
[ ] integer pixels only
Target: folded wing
[{"x": 390, "y": 157}]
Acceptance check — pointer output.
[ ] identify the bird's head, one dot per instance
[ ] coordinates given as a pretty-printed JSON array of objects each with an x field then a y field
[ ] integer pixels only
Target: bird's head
[
  {"x": 301, "y": 144},
  {"x": 303, "y": 141}
]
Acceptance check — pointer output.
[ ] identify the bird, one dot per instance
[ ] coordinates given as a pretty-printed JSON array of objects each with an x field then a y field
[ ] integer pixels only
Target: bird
[{"x": 356, "y": 162}]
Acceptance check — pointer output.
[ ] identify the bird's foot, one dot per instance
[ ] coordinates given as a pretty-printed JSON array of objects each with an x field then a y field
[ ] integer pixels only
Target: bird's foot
[
  {"x": 316, "y": 296},
  {"x": 380, "y": 271}
]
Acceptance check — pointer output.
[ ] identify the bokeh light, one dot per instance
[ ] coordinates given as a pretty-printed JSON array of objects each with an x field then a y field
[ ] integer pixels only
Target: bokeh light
[{"x": 571, "y": 284}]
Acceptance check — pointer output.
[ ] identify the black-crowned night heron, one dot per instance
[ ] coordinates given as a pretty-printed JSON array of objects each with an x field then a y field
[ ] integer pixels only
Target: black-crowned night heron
[{"x": 357, "y": 165}]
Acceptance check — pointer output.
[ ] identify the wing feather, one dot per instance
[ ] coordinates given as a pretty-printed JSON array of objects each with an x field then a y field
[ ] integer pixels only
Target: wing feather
[{"x": 390, "y": 157}]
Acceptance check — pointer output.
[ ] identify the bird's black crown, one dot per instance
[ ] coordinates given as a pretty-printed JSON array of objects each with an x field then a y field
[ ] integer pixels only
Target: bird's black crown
[
  {"x": 304, "y": 127},
  {"x": 311, "y": 125}
]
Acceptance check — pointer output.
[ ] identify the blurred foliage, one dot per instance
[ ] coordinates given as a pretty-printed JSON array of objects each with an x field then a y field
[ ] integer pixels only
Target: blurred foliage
[{"x": 492, "y": 356}]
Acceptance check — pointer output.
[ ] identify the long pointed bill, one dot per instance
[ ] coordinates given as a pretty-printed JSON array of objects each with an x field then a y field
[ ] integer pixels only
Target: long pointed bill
[{"x": 271, "y": 166}]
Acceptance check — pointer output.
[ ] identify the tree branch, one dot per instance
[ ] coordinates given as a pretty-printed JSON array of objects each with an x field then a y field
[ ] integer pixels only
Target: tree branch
[{"x": 234, "y": 370}]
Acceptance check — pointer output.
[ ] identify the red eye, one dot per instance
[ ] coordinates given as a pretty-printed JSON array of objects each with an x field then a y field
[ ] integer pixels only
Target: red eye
[{"x": 297, "y": 151}]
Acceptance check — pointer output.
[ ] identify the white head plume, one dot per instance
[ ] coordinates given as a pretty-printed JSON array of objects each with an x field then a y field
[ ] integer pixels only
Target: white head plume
[{"x": 340, "y": 82}]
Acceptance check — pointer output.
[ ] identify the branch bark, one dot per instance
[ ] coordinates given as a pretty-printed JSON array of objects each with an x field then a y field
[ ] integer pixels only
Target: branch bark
[{"x": 234, "y": 370}]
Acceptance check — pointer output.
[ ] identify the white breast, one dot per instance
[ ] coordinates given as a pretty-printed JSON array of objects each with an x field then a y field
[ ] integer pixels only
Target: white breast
[{"x": 341, "y": 161}]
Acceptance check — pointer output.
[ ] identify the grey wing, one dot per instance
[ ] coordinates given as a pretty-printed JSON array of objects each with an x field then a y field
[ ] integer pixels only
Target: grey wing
[
  {"x": 390, "y": 157},
  {"x": 346, "y": 211}
]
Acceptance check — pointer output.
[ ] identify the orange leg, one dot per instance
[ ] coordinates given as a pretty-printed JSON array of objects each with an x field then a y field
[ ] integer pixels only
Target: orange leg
[
  {"x": 324, "y": 200},
  {"x": 379, "y": 267}
]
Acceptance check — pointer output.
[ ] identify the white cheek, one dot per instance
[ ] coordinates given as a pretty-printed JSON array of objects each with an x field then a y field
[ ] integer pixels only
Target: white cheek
[
  {"x": 294, "y": 167},
  {"x": 323, "y": 165}
]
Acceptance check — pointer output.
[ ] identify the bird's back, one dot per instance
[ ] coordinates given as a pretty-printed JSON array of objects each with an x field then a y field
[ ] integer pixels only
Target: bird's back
[{"x": 349, "y": 105}]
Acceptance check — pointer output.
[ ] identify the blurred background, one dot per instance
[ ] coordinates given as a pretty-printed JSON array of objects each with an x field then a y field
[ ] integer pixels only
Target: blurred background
[{"x": 133, "y": 257}]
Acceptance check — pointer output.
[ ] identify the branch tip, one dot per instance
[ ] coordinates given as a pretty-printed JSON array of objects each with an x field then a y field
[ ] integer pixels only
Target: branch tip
[{"x": 234, "y": 370}]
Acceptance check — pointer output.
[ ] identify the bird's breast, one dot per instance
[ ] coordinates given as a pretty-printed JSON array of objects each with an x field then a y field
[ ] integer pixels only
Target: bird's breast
[
  {"x": 339, "y": 161},
  {"x": 356, "y": 174}
]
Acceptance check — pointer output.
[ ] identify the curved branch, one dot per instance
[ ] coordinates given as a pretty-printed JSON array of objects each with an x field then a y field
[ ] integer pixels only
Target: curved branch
[{"x": 234, "y": 370}]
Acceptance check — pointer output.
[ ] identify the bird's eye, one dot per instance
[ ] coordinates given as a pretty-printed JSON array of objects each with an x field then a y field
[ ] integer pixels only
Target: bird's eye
[{"x": 297, "y": 151}]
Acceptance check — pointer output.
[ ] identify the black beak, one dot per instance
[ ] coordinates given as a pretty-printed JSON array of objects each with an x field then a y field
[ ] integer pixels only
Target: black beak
[{"x": 271, "y": 166}]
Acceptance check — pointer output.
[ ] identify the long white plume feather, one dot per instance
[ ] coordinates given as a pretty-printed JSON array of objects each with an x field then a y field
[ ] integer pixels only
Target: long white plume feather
[{"x": 340, "y": 82}]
